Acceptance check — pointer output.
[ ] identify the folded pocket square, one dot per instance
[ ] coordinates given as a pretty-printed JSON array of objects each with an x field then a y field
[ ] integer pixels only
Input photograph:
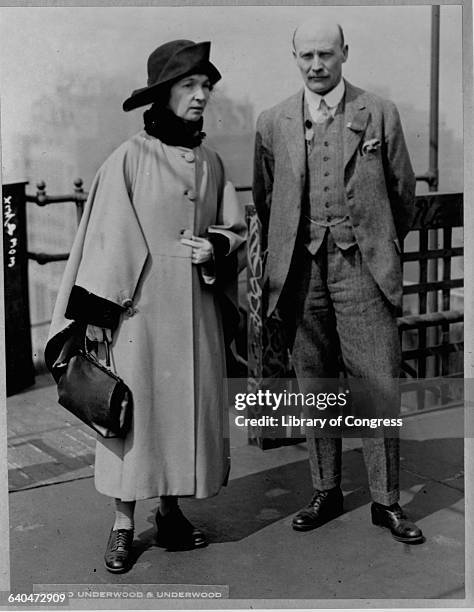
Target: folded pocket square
[{"x": 370, "y": 145}]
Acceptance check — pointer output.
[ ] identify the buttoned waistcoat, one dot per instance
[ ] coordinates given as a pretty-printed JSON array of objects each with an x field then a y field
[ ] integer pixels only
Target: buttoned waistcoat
[
  {"x": 325, "y": 207},
  {"x": 379, "y": 186}
]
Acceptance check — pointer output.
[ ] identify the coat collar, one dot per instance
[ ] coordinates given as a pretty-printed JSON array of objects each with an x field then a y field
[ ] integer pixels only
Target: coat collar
[{"x": 356, "y": 116}]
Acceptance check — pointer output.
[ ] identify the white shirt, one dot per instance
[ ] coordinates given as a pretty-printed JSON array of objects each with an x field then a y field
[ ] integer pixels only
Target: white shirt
[{"x": 332, "y": 99}]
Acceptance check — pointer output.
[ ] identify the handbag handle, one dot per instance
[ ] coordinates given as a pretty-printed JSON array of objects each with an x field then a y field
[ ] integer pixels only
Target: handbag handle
[
  {"x": 107, "y": 349},
  {"x": 106, "y": 342}
]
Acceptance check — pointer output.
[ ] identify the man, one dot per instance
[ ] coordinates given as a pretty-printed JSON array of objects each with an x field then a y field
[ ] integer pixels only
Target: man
[{"x": 334, "y": 190}]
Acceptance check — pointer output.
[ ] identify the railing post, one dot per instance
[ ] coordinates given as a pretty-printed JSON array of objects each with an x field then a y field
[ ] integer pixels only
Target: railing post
[
  {"x": 79, "y": 193},
  {"x": 268, "y": 356},
  {"x": 254, "y": 299},
  {"x": 19, "y": 359},
  {"x": 433, "y": 302},
  {"x": 41, "y": 197}
]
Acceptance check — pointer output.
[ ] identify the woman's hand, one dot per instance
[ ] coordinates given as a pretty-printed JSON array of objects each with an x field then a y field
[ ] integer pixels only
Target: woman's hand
[
  {"x": 96, "y": 334},
  {"x": 202, "y": 249}
]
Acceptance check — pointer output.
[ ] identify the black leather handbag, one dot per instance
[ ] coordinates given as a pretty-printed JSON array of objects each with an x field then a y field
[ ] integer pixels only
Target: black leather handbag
[{"x": 93, "y": 393}]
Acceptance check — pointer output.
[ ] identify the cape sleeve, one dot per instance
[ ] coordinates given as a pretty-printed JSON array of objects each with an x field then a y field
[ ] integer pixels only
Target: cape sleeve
[
  {"x": 228, "y": 236},
  {"x": 107, "y": 256},
  {"x": 114, "y": 249}
]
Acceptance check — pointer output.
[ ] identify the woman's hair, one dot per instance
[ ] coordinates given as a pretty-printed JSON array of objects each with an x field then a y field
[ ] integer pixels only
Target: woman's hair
[
  {"x": 151, "y": 115},
  {"x": 163, "y": 96}
]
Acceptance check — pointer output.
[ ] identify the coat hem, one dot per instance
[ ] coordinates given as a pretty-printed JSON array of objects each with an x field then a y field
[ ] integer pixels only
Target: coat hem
[{"x": 130, "y": 498}]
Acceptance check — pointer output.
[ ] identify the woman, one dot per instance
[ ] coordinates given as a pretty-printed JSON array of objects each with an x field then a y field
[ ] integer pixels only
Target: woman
[{"x": 154, "y": 266}]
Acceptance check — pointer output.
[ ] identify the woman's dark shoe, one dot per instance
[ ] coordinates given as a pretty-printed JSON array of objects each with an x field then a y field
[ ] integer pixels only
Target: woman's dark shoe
[
  {"x": 323, "y": 507},
  {"x": 175, "y": 532},
  {"x": 119, "y": 550},
  {"x": 400, "y": 526}
]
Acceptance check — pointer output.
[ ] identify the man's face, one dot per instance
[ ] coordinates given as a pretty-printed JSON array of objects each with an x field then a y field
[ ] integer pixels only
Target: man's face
[{"x": 319, "y": 57}]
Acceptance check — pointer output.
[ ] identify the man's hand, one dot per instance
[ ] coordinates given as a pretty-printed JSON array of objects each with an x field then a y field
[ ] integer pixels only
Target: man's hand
[
  {"x": 98, "y": 334},
  {"x": 202, "y": 249}
]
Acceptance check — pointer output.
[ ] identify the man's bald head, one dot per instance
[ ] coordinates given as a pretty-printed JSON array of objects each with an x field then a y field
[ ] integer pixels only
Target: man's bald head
[
  {"x": 319, "y": 50},
  {"x": 310, "y": 28}
]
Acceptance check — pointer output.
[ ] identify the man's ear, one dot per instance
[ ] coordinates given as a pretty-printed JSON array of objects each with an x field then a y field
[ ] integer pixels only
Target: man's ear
[{"x": 345, "y": 52}]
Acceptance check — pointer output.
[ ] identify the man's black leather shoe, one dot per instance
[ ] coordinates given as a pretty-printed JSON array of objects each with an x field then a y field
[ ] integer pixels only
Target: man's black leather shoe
[
  {"x": 119, "y": 550},
  {"x": 175, "y": 532},
  {"x": 401, "y": 527},
  {"x": 323, "y": 507}
]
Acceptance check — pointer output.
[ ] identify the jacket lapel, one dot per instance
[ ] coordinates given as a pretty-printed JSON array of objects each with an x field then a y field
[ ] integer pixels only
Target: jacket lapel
[
  {"x": 356, "y": 117},
  {"x": 292, "y": 127}
]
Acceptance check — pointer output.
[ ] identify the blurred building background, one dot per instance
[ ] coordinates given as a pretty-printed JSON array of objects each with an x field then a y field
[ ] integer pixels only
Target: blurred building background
[{"x": 66, "y": 71}]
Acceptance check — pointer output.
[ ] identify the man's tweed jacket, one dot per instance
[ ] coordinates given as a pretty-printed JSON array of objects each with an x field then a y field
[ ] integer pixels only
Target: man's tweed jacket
[{"x": 379, "y": 186}]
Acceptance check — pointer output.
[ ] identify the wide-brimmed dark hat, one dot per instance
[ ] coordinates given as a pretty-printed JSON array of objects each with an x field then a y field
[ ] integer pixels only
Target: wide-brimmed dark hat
[{"x": 171, "y": 62}]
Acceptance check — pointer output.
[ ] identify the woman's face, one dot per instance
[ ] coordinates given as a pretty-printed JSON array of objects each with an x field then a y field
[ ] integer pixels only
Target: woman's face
[{"x": 189, "y": 96}]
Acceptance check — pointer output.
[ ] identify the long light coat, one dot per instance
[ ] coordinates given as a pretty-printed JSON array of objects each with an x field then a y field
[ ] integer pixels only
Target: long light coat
[
  {"x": 169, "y": 347},
  {"x": 379, "y": 186}
]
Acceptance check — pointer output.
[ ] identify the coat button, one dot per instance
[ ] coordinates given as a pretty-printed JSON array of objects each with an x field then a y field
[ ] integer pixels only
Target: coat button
[
  {"x": 129, "y": 308},
  {"x": 191, "y": 194},
  {"x": 189, "y": 156}
]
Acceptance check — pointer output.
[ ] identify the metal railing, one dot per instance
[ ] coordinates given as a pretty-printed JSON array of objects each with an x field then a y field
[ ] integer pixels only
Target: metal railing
[
  {"x": 438, "y": 213},
  {"x": 268, "y": 356},
  {"x": 78, "y": 197},
  {"x": 434, "y": 211}
]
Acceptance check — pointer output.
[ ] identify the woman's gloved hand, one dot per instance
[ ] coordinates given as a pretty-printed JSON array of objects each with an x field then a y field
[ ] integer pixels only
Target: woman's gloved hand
[
  {"x": 96, "y": 334},
  {"x": 202, "y": 249}
]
